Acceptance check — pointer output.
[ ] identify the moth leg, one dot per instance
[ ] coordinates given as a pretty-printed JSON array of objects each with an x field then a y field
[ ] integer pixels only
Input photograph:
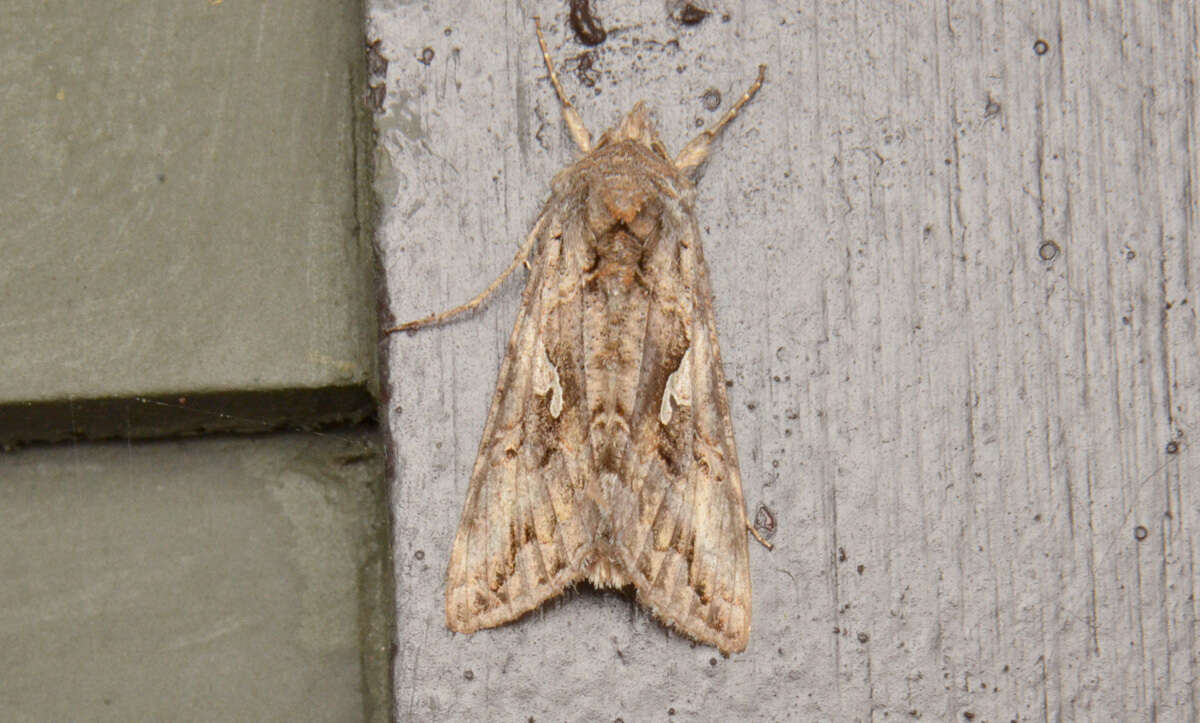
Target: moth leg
[
  {"x": 579, "y": 132},
  {"x": 694, "y": 153},
  {"x": 522, "y": 258},
  {"x": 758, "y": 537}
]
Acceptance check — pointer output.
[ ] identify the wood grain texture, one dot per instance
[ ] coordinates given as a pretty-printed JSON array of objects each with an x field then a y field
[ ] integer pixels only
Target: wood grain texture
[{"x": 956, "y": 276}]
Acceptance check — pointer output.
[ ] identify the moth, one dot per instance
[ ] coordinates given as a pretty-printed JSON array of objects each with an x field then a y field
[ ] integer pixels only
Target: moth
[{"x": 608, "y": 453}]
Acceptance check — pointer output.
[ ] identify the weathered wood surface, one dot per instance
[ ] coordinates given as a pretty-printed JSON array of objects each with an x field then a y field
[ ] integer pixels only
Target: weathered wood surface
[{"x": 955, "y": 263}]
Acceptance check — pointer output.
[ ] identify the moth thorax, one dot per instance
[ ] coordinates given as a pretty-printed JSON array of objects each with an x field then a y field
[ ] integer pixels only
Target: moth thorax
[
  {"x": 617, "y": 241},
  {"x": 627, "y": 204}
]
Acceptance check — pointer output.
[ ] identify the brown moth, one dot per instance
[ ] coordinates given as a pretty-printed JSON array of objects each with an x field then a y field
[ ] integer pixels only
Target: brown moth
[{"x": 608, "y": 454}]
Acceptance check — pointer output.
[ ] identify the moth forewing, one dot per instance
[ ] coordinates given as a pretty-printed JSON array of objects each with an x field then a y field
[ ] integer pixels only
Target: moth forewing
[{"x": 608, "y": 453}]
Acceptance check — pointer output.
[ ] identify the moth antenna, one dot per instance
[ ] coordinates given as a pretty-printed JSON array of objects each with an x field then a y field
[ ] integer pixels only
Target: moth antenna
[
  {"x": 522, "y": 258},
  {"x": 579, "y": 132},
  {"x": 696, "y": 151}
]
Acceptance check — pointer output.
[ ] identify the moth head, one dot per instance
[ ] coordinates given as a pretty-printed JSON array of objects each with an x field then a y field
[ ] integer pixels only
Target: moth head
[{"x": 636, "y": 126}]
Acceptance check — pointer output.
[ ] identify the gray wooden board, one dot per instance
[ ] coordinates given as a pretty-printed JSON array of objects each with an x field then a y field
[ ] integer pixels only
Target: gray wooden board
[{"x": 956, "y": 282}]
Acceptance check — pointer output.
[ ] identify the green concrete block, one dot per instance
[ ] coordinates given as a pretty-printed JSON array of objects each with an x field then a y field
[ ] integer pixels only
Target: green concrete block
[
  {"x": 182, "y": 218},
  {"x": 234, "y": 578}
]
